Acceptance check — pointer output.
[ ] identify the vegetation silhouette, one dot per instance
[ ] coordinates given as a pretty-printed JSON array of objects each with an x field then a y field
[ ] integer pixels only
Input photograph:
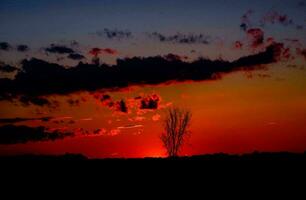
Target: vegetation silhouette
[{"x": 176, "y": 124}]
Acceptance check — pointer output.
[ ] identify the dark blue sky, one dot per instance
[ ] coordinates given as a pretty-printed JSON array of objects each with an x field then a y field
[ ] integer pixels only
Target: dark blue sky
[{"x": 39, "y": 23}]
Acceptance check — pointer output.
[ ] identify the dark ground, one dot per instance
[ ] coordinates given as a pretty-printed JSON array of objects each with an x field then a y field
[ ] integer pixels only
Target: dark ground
[
  {"x": 220, "y": 162},
  {"x": 197, "y": 173},
  {"x": 220, "y": 157}
]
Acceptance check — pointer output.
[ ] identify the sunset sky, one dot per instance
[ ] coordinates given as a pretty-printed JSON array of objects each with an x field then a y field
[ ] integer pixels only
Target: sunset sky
[{"x": 96, "y": 77}]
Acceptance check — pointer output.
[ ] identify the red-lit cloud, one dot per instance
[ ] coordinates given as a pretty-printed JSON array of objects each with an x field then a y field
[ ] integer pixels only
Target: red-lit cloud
[
  {"x": 238, "y": 45},
  {"x": 256, "y": 36},
  {"x": 97, "y": 51}
]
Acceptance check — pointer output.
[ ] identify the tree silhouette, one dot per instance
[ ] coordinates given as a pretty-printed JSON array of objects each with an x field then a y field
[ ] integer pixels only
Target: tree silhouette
[{"x": 176, "y": 126}]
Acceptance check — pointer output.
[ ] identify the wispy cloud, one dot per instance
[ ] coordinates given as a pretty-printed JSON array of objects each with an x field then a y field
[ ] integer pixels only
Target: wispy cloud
[
  {"x": 181, "y": 38},
  {"x": 114, "y": 34},
  {"x": 11, "y": 134}
]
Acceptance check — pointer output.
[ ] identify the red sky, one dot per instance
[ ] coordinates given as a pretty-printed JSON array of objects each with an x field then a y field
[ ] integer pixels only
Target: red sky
[
  {"x": 97, "y": 79},
  {"x": 237, "y": 114}
]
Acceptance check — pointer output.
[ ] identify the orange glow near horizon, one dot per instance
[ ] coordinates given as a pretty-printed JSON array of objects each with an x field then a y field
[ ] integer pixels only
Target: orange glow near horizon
[{"x": 232, "y": 115}]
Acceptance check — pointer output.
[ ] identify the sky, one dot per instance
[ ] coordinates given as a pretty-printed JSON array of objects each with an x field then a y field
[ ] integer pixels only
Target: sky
[{"x": 96, "y": 77}]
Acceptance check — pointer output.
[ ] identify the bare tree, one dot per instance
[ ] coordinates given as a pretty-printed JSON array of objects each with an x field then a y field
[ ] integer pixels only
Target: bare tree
[{"x": 176, "y": 126}]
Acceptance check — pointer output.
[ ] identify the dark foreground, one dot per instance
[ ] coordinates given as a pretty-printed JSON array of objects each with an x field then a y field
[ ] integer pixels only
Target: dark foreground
[
  {"x": 217, "y": 169},
  {"x": 253, "y": 157}
]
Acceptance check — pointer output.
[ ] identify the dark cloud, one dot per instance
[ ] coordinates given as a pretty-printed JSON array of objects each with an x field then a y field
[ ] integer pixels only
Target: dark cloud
[
  {"x": 121, "y": 106},
  {"x": 243, "y": 26},
  {"x": 105, "y": 97},
  {"x": 7, "y": 68},
  {"x": 274, "y": 17},
  {"x": 74, "y": 102},
  {"x": 302, "y": 3},
  {"x": 181, "y": 38},
  {"x": 174, "y": 57},
  {"x": 39, "y": 78},
  {"x": 270, "y": 18},
  {"x": 39, "y": 101},
  {"x": 95, "y": 52},
  {"x": 301, "y": 52},
  {"x": 257, "y": 37},
  {"x": 76, "y": 56},
  {"x": 299, "y": 27},
  {"x": 10, "y": 134},
  {"x": 246, "y": 20},
  {"x": 4, "y": 46},
  {"x": 59, "y": 49},
  {"x": 22, "y": 48},
  {"x": 28, "y": 100},
  {"x": 114, "y": 34},
  {"x": 150, "y": 102},
  {"x": 18, "y": 119}
]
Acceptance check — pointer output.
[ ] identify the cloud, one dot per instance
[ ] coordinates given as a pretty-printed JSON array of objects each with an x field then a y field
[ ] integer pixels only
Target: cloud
[
  {"x": 181, "y": 38},
  {"x": 10, "y": 134},
  {"x": 4, "y": 46},
  {"x": 106, "y": 100},
  {"x": 121, "y": 106},
  {"x": 76, "y": 56},
  {"x": 156, "y": 117},
  {"x": 59, "y": 49},
  {"x": 22, "y": 48},
  {"x": 238, "y": 45},
  {"x": 150, "y": 102},
  {"x": 7, "y": 68},
  {"x": 18, "y": 119},
  {"x": 301, "y": 52},
  {"x": 97, "y": 51},
  {"x": 105, "y": 97},
  {"x": 110, "y": 51},
  {"x": 299, "y": 27},
  {"x": 274, "y": 17},
  {"x": 131, "y": 126},
  {"x": 39, "y": 78},
  {"x": 74, "y": 102},
  {"x": 174, "y": 57},
  {"x": 114, "y": 34},
  {"x": 39, "y": 101},
  {"x": 302, "y": 3},
  {"x": 100, "y": 131},
  {"x": 27, "y": 100},
  {"x": 256, "y": 36},
  {"x": 269, "y": 18},
  {"x": 257, "y": 41},
  {"x": 246, "y": 20},
  {"x": 85, "y": 119},
  {"x": 114, "y": 132}
]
